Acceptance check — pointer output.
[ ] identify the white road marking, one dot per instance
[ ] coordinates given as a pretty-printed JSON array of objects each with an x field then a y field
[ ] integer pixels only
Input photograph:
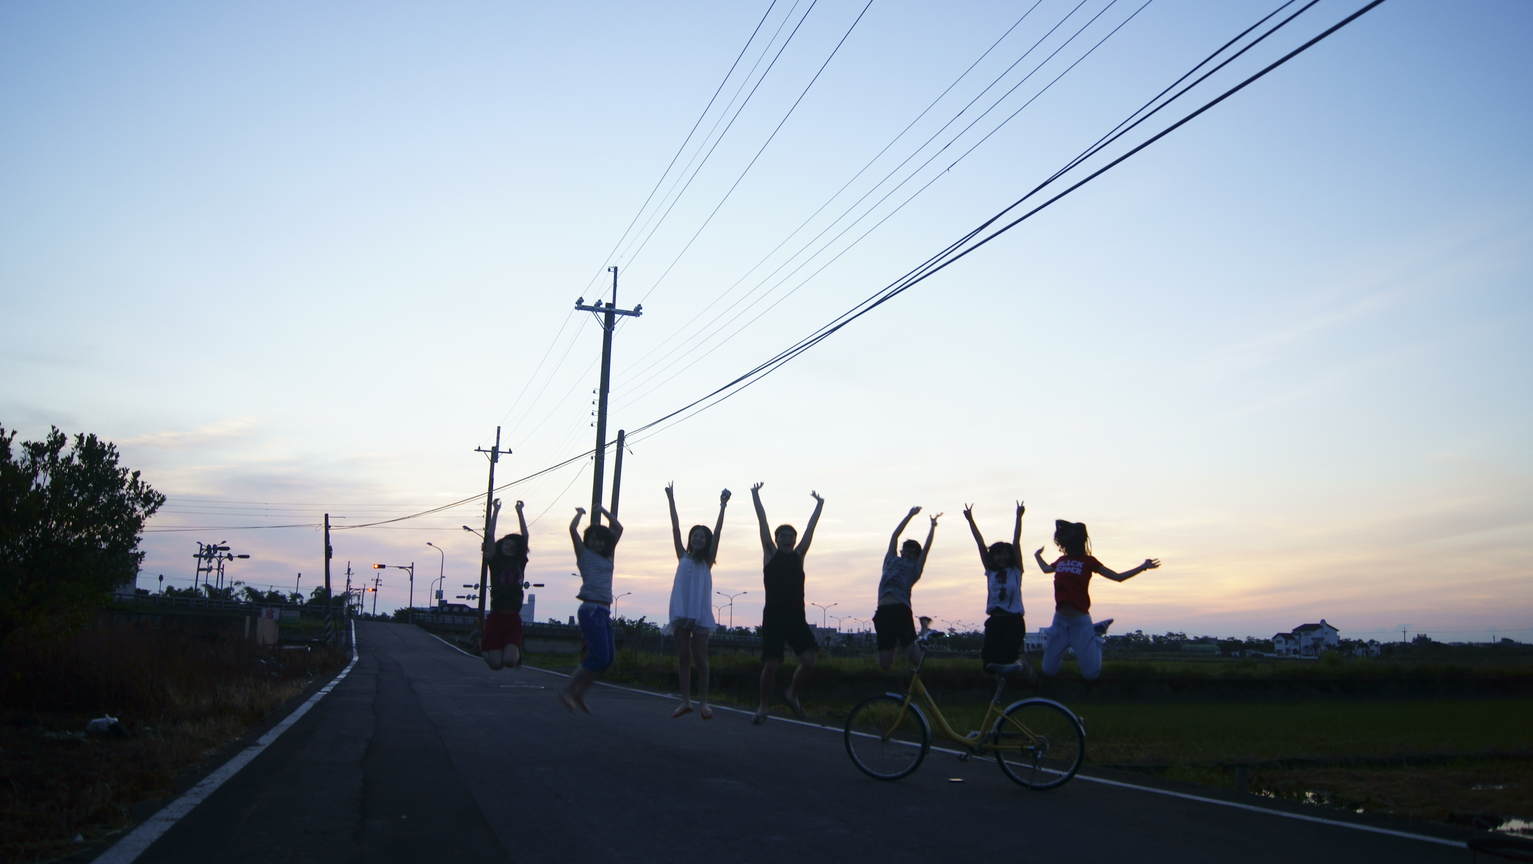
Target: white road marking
[{"x": 128, "y": 849}]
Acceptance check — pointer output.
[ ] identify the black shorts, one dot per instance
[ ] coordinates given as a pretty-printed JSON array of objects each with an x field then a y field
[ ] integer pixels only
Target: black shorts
[
  {"x": 895, "y": 625},
  {"x": 1004, "y": 634},
  {"x": 789, "y": 627}
]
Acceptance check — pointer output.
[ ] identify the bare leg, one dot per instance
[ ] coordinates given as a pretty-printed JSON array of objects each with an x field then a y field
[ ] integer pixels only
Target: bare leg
[
  {"x": 914, "y": 655},
  {"x": 700, "y": 657},
  {"x": 494, "y": 660},
  {"x": 684, "y": 666},
  {"x": 580, "y": 682},
  {"x": 800, "y": 681},
  {"x": 886, "y": 660},
  {"x": 511, "y": 655},
  {"x": 768, "y": 681}
]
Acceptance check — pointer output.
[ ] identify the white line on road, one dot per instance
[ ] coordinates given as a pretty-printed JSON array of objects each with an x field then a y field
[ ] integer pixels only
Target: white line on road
[
  {"x": 128, "y": 849},
  {"x": 1425, "y": 838}
]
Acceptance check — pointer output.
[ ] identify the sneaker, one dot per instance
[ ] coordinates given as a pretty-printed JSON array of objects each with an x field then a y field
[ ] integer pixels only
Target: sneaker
[{"x": 1100, "y": 627}]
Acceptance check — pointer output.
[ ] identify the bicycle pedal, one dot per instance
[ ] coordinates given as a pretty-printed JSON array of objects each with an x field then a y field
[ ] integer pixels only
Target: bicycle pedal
[{"x": 964, "y": 757}]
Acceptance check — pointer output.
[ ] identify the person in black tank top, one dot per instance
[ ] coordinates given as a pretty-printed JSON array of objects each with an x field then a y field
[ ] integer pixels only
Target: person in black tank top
[
  {"x": 501, "y": 640},
  {"x": 782, "y": 618}
]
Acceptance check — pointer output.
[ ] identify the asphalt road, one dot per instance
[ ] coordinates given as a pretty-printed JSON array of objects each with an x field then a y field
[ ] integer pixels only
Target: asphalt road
[{"x": 423, "y": 754}]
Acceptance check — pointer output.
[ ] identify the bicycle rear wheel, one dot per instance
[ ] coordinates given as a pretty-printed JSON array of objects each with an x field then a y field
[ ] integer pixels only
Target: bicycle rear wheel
[
  {"x": 1039, "y": 744},
  {"x": 887, "y": 739}
]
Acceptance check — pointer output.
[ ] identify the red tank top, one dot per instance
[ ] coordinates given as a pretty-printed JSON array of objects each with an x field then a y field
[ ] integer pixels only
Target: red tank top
[{"x": 1071, "y": 576}]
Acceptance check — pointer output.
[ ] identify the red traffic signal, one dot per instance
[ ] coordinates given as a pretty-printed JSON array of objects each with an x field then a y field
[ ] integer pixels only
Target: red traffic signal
[{"x": 380, "y": 566}]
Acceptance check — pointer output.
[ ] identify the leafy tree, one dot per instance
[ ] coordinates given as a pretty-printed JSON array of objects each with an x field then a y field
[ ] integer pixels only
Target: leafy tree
[{"x": 70, "y": 520}]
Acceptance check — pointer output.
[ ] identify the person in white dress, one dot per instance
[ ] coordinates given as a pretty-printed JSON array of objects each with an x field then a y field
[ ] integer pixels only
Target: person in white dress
[{"x": 692, "y": 602}]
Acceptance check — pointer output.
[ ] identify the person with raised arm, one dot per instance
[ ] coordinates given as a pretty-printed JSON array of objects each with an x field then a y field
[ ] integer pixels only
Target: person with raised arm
[
  {"x": 692, "y": 602},
  {"x": 782, "y": 619},
  {"x": 1072, "y": 627},
  {"x": 1005, "y": 624},
  {"x": 593, "y": 556},
  {"x": 894, "y": 623},
  {"x": 506, "y": 559}
]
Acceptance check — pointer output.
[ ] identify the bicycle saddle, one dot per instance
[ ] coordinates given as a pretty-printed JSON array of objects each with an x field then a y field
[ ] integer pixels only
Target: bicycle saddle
[{"x": 1007, "y": 670}]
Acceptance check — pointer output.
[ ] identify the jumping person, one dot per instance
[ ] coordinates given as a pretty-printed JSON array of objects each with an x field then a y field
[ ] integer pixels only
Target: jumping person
[
  {"x": 692, "y": 602},
  {"x": 1006, "y": 626},
  {"x": 894, "y": 623},
  {"x": 1072, "y": 627},
  {"x": 593, "y": 555},
  {"x": 501, "y": 644},
  {"x": 783, "y": 618}
]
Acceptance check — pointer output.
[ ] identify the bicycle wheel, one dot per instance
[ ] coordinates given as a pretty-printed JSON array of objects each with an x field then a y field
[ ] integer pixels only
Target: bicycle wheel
[
  {"x": 1039, "y": 743},
  {"x": 885, "y": 739}
]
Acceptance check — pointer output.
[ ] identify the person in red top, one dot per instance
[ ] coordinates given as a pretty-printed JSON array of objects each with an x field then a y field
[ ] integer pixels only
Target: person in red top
[{"x": 1072, "y": 627}]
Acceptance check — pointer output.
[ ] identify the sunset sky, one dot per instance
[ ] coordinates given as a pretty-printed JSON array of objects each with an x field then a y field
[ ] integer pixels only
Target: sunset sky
[{"x": 302, "y": 258}]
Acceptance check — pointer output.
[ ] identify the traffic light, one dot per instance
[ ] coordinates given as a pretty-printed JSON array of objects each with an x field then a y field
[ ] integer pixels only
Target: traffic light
[{"x": 380, "y": 566}]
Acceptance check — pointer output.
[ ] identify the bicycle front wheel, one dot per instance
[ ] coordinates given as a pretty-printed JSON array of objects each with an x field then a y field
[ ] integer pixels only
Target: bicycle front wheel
[
  {"x": 886, "y": 738},
  {"x": 1039, "y": 744}
]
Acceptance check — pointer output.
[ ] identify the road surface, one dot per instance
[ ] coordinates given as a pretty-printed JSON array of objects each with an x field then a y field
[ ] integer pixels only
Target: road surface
[{"x": 423, "y": 754}]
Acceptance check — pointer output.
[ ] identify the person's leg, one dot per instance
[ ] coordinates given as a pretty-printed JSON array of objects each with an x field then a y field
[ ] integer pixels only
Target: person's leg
[
  {"x": 800, "y": 679},
  {"x": 1088, "y": 650},
  {"x": 1054, "y": 648},
  {"x": 596, "y": 628},
  {"x": 886, "y": 639},
  {"x": 768, "y": 681},
  {"x": 494, "y": 659},
  {"x": 700, "y": 658},
  {"x": 684, "y": 669},
  {"x": 512, "y": 656}
]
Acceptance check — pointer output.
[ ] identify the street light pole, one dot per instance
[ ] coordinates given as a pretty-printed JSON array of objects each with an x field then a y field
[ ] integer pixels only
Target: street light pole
[
  {"x": 731, "y": 605},
  {"x": 823, "y": 610},
  {"x": 441, "y": 570}
]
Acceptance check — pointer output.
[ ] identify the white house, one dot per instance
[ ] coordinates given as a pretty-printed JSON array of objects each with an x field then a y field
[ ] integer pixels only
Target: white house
[
  {"x": 1306, "y": 640},
  {"x": 1032, "y": 643}
]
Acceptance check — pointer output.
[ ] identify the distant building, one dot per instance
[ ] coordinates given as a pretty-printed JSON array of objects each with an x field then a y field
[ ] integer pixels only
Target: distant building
[
  {"x": 1033, "y": 643},
  {"x": 1306, "y": 640}
]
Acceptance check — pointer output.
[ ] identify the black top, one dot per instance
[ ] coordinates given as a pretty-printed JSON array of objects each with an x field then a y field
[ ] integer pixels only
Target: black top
[
  {"x": 506, "y": 577},
  {"x": 783, "y": 578}
]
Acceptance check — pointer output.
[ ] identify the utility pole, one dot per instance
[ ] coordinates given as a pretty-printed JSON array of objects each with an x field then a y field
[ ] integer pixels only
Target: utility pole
[
  {"x": 607, "y": 313},
  {"x": 377, "y": 580},
  {"x": 617, "y": 473},
  {"x": 489, "y": 501},
  {"x": 329, "y": 604}
]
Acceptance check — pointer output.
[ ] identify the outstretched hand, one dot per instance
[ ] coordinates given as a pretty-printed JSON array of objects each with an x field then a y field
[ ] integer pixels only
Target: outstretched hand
[
  {"x": 670, "y": 490},
  {"x": 757, "y": 487},
  {"x": 580, "y": 511},
  {"x": 968, "y": 512},
  {"x": 1021, "y": 508},
  {"x": 519, "y": 506},
  {"x": 1150, "y": 563},
  {"x": 935, "y": 518},
  {"x": 1039, "y": 553},
  {"x": 816, "y": 496},
  {"x": 913, "y": 512},
  {"x": 724, "y": 497}
]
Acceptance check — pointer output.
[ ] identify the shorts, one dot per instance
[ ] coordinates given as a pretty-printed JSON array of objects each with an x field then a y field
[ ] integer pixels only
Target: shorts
[
  {"x": 895, "y": 625},
  {"x": 501, "y": 629},
  {"x": 596, "y": 627},
  {"x": 780, "y": 627},
  {"x": 1004, "y": 634}
]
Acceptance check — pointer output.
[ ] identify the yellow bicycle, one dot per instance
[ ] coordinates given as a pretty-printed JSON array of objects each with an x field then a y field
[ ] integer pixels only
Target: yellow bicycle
[{"x": 1038, "y": 742}]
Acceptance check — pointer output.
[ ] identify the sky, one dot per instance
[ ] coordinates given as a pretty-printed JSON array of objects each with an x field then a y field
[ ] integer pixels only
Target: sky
[{"x": 297, "y": 259}]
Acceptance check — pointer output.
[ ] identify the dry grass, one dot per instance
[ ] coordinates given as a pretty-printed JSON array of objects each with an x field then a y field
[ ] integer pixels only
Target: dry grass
[{"x": 181, "y": 695}]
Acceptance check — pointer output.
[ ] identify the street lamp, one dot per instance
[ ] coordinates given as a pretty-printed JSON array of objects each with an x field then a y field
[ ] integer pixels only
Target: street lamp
[
  {"x": 441, "y": 570},
  {"x": 296, "y": 589},
  {"x": 619, "y": 597},
  {"x": 823, "y": 610},
  {"x": 839, "y": 619},
  {"x": 473, "y": 532},
  {"x": 731, "y": 605}
]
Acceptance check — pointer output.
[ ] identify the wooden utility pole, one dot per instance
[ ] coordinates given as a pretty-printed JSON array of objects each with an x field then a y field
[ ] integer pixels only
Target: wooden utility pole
[
  {"x": 489, "y": 500},
  {"x": 617, "y": 473},
  {"x": 607, "y": 315},
  {"x": 329, "y": 605}
]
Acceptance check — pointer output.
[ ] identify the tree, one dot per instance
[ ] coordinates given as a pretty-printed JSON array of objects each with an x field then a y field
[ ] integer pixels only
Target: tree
[{"x": 70, "y": 521}]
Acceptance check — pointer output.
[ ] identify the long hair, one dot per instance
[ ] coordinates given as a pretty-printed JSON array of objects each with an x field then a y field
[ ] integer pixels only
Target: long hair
[
  {"x": 1072, "y": 538},
  {"x": 601, "y": 532},
  {"x": 701, "y": 554},
  {"x": 521, "y": 548}
]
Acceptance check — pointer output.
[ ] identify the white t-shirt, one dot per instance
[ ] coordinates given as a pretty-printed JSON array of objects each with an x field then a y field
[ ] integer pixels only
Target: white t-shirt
[{"x": 1005, "y": 590}]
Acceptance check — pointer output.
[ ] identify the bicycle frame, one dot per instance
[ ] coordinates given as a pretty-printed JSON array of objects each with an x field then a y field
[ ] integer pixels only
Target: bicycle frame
[{"x": 976, "y": 741}]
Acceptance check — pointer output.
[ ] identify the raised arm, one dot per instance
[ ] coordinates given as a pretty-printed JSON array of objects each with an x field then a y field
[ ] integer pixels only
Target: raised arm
[
  {"x": 1149, "y": 564},
  {"x": 1042, "y": 564},
  {"x": 489, "y": 539},
  {"x": 521, "y": 520},
  {"x": 894, "y": 539},
  {"x": 925, "y": 550},
  {"x": 670, "y": 496},
  {"x": 616, "y": 526},
  {"x": 718, "y": 530},
  {"x": 767, "y": 545},
  {"x": 575, "y": 531},
  {"x": 1016, "y": 535},
  {"x": 814, "y": 519},
  {"x": 979, "y": 539}
]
